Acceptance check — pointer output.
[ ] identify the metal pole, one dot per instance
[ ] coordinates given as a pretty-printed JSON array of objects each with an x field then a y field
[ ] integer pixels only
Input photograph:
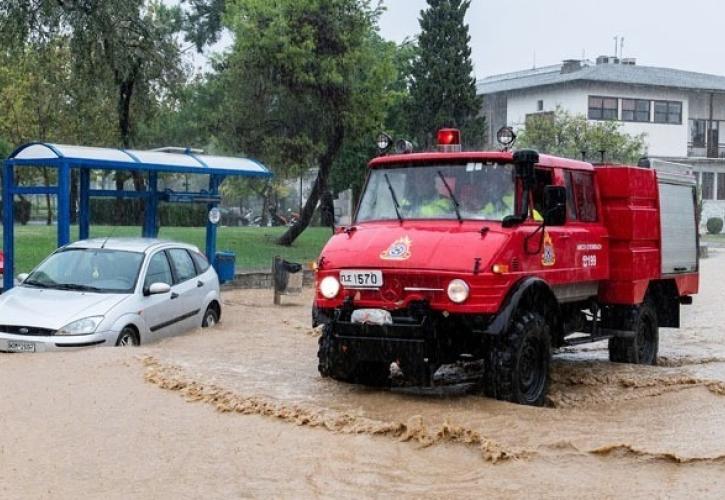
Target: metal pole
[
  {"x": 84, "y": 215},
  {"x": 63, "y": 204},
  {"x": 152, "y": 202},
  {"x": 8, "y": 226},
  {"x": 211, "y": 229}
]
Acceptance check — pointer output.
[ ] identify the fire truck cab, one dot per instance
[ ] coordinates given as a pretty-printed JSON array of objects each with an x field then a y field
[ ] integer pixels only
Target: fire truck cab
[{"x": 499, "y": 257}]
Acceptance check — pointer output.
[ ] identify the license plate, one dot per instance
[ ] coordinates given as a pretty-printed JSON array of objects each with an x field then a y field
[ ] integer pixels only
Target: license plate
[
  {"x": 361, "y": 279},
  {"x": 19, "y": 346}
]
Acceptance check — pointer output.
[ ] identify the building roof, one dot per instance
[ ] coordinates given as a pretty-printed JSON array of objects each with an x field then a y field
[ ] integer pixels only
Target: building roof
[
  {"x": 605, "y": 73},
  {"x": 127, "y": 159}
]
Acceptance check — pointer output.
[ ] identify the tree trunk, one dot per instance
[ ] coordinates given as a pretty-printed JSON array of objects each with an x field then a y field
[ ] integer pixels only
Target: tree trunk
[
  {"x": 320, "y": 187},
  {"x": 126, "y": 87}
]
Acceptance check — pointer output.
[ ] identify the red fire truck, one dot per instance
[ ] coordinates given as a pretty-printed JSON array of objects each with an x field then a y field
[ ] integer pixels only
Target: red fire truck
[{"x": 498, "y": 257}]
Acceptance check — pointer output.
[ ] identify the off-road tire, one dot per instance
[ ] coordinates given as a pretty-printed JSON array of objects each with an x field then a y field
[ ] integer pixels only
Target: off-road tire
[
  {"x": 334, "y": 364},
  {"x": 518, "y": 362},
  {"x": 330, "y": 361},
  {"x": 642, "y": 348}
]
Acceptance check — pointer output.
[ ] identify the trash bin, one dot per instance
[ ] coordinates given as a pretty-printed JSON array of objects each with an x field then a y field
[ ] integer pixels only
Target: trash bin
[{"x": 224, "y": 263}]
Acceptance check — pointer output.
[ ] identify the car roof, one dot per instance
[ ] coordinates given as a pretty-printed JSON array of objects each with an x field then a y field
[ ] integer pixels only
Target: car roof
[{"x": 129, "y": 244}]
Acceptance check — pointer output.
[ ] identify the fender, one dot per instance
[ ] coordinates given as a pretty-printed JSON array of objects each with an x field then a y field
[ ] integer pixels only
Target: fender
[
  {"x": 546, "y": 300},
  {"x": 131, "y": 319}
]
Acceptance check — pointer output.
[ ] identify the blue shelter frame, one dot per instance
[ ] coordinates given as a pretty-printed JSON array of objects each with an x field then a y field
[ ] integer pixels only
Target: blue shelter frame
[{"x": 65, "y": 157}]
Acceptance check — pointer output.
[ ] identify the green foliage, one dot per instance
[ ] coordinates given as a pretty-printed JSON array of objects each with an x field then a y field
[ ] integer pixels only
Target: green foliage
[
  {"x": 567, "y": 135},
  {"x": 106, "y": 211},
  {"x": 443, "y": 88},
  {"x": 714, "y": 225}
]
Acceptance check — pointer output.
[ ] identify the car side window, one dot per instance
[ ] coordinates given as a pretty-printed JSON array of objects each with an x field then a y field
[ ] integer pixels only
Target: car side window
[
  {"x": 183, "y": 265},
  {"x": 201, "y": 263},
  {"x": 158, "y": 271},
  {"x": 586, "y": 206},
  {"x": 570, "y": 205}
]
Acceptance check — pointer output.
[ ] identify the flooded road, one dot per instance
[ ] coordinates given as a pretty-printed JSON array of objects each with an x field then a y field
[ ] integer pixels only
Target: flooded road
[{"x": 245, "y": 413}]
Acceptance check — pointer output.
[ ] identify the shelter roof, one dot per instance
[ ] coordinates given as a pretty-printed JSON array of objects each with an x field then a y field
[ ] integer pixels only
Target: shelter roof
[{"x": 38, "y": 153}]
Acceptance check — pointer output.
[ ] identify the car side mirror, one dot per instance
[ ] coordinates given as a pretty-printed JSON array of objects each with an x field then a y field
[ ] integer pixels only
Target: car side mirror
[
  {"x": 22, "y": 277},
  {"x": 157, "y": 289},
  {"x": 554, "y": 205}
]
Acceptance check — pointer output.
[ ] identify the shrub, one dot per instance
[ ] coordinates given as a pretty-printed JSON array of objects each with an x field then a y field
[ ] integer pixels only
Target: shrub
[{"x": 714, "y": 225}]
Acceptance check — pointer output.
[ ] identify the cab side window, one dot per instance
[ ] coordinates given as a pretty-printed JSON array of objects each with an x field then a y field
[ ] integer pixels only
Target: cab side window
[
  {"x": 570, "y": 204},
  {"x": 543, "y": 177},
  {"x": 158, "y": 271},
  {"x": 183, "y": 264},
  {"x": 583, "y": 190}
]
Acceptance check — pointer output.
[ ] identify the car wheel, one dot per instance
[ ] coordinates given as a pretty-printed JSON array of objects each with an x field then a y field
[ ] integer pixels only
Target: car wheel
[
  {"x": 211, "y": 318},
  {"x": 127, "y": 338}
]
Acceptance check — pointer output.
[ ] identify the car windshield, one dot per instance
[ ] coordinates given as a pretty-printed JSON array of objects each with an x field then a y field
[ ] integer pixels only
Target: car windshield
[
  {"x": 479, "y": 190},
  {"x": 89, "y": 270}
]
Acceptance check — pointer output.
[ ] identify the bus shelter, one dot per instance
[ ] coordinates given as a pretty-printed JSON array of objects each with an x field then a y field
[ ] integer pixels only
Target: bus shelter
[{"x": 149, "y": 163}]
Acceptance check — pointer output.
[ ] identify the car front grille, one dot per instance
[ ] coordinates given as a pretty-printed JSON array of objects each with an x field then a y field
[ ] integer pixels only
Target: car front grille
[{"x": 26, "y": 330}]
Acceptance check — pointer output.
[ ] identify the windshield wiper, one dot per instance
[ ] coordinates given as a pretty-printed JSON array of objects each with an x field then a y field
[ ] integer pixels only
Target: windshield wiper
[
  {"x": 74, "y": 286},
  {"x": 35, "y": 283},
  {"x": 395, "y": 198},
  {"x": 453, "y": 198}
]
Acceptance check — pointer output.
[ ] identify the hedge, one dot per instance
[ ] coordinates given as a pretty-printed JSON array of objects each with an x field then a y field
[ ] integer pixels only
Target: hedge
[{"x": 129, "y": 213}]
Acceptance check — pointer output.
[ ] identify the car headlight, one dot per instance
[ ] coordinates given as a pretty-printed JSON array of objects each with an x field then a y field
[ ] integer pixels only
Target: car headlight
[
  {"x": 83, "y": 326},
  {"x": 458, "y": 291},
  {"x": 329, "y": 287}
]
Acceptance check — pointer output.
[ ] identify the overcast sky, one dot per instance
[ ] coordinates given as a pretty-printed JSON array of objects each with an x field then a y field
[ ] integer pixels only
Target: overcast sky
[{"x": 510, "y": 35}]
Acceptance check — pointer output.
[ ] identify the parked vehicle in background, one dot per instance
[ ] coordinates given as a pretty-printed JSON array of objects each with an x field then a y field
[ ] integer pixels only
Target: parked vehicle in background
[
  {"x": 498, "y": 257},
  {"x": 108, "y": 292}
]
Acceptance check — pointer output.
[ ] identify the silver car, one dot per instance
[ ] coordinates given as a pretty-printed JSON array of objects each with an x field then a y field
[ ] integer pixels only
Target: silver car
[{"x": 106, "y": 292}]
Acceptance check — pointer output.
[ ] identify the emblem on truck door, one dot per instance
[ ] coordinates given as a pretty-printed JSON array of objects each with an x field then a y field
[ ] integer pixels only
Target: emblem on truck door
[
  {"x": 548, "y": 257},
  {"x": 398, "y": 250}
]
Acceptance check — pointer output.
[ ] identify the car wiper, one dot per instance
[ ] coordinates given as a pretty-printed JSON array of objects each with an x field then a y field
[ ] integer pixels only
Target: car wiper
[
  {"x": 75, "y": 286},
  {"x": 35, "y": 283},
  {"x": 395, "y": 198},
  {"x": 453, "y": 198}
]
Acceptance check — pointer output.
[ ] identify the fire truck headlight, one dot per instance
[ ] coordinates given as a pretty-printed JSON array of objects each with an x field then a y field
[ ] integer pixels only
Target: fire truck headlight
[
  {"x": 329, "y": 287},
  {"x": 458, "y": 291}
]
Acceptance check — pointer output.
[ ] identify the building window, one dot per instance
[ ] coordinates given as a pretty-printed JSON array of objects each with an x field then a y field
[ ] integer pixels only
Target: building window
[
  {"x": 635, "y": 110},
  {"x": 721, "y": 186},
  {"x": 540, "y": 105},
  {"x": 668, "y": 112},
  {"x": 697, "y": 133},
  {"x": 602, "y": 108},
  {"x": 708, "y": 181}
]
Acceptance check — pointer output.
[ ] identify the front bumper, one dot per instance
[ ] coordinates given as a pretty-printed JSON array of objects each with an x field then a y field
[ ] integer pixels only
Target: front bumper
[{"x": 51, "y": 343}]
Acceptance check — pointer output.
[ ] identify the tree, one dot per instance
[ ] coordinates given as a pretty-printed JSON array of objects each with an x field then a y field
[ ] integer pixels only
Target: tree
[
  {"x": 443, "y": 88},
  {"x": 308, "y": 70},
  {"x": 570, "y": 136},
  {"x": 128, "y": 48}
]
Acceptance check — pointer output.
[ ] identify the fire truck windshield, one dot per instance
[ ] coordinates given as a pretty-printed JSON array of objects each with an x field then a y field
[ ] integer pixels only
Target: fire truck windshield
[{"x": 480, "y": 191}]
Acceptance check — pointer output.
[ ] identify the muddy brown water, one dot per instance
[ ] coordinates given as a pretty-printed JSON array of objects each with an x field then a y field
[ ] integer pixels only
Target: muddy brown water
[
  {"x": 262, "y": 360},
  {"x": 243, "y": 403}
]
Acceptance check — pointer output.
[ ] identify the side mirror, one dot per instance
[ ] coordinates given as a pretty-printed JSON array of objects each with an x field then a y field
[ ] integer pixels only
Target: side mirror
[
  {"x": 157, "y": 288},
  {"x": 22, "y": 277},
  {"x": 554, "y": 205}
]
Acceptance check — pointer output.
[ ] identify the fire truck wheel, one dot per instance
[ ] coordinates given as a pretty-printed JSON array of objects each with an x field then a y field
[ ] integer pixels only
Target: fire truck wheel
[
  {"x": 518, "y": 368},
  {"x": 330, "y": 362},
  {"x": 642, "y": 348}
]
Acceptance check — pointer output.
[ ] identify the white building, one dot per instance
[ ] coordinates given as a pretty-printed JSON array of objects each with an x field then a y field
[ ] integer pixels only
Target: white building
[{"x": 681, "y": 113}]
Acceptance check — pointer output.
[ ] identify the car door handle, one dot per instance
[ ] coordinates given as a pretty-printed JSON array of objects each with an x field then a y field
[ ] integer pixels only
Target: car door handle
[
  {"x": 199, "y": 284},
  {"x": 174, "y": 295}
]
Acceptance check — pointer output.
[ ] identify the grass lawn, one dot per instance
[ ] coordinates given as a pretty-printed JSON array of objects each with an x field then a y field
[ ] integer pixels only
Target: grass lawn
[
  {"x": 713, "y": 238},
  {"x": 254, "y": 246}
]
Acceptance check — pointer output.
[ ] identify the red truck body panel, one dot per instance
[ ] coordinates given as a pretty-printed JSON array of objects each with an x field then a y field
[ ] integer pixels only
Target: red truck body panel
[{"x": 614, "y": 258}]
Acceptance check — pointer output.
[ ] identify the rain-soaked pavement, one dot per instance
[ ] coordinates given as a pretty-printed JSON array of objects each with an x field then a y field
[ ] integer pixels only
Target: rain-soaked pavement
[{"x": 668, "y": 419}]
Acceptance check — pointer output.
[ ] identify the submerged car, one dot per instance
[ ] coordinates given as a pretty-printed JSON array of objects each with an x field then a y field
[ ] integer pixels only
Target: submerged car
[{"x": 109, "y": 291}]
